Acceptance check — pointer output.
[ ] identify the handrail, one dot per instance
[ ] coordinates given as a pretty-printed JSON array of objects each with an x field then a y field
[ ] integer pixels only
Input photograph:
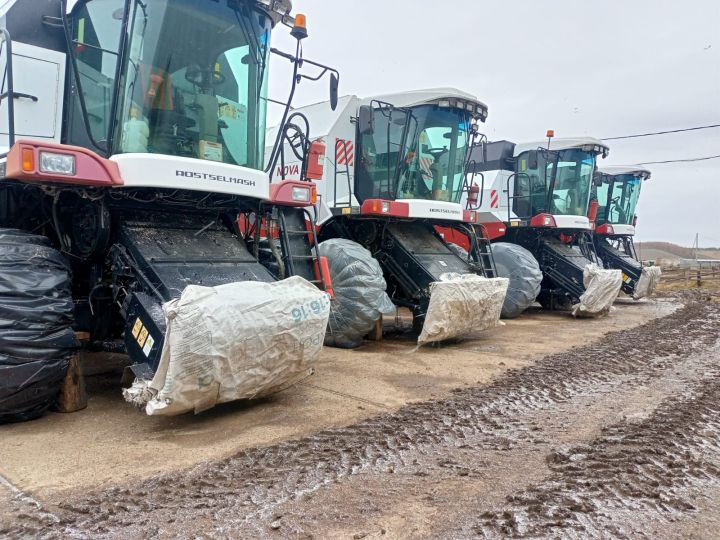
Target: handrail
[
  {"x": 510, "y": 199},
  {"x": 8, "y": 75},
  {"x": 467, "y": 184}
]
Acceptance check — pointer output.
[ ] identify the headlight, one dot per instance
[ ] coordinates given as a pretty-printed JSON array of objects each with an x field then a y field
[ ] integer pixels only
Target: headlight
[
  {"x": 53, "y": 163},
  {"x": 301, "y": 194}
]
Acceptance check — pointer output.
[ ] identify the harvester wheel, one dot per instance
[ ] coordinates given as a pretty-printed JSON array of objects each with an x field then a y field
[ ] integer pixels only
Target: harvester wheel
[{"x": 36, "y": 315}]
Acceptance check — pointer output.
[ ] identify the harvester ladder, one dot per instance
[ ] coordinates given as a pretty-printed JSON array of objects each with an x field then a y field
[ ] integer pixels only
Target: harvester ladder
[
  {"x": 487, "y": 261},
  {"x": 480, "y": 249},
  {"x": 296, "y": 236},
  {"x": 342, "y": 144}
]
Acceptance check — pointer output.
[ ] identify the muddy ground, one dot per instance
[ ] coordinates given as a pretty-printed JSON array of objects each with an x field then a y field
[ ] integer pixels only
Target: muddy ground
[{"x": 617, "y": 437}]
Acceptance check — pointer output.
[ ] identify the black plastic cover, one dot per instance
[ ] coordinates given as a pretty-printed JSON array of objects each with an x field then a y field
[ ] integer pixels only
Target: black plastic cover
[{"x": 36, "y": 314}]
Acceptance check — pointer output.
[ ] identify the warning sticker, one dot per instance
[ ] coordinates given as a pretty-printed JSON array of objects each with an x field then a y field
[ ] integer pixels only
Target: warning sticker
[
  {"x": 143, "y": 335},
  {"x": 625, "y": 277},
  {"x": 148, "y": 345},
  {"x": 136, "y": 329}
]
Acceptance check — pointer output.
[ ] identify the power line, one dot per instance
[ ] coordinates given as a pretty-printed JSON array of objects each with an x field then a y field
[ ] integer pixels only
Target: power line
[
  {"x": 679, "y": 160},
  {"x": 659, "y": 133}
]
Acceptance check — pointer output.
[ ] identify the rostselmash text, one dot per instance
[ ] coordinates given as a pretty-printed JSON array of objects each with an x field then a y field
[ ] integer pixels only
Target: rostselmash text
[
  {"x": 443, "y": 210},
  {"x": 215, "y": 177}
]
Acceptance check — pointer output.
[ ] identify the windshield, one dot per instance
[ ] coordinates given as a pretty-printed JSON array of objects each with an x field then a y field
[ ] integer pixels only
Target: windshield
[
  {"x": 194, "y": 81},
  {"x": 570, "y": 192},
  {"x": 416, "y": 153},
  {"x": 559, "y": 185},
  {"x": 618, "y": 199}
]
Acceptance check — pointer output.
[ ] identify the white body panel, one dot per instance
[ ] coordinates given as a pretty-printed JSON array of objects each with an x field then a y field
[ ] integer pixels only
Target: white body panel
[
  {"x": 572, "y": 222},
  {"x": 433, "y": 209},
  {"x": 41, "y": 73},
  {"x": 330, "y": 127},
  {"x": 495, "y": 197},
  {"x": 624, "y": 230},
  {"x": 561, "y": 144},
  {"x": 616, "y": 170},
  {"x": 172, "y": 172}
]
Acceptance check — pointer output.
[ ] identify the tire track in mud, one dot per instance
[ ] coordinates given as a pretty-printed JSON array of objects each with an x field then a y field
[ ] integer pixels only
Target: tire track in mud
[
  {"x": 244, "y": 491},
  {"x": 632, "y": 474}
]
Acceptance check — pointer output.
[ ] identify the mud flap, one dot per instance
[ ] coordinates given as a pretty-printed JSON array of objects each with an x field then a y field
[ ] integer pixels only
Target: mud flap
[
  {"x": 237, "y": 341},
  {"x": 461, "y": 304},
  {"x": 601, "y": 289},
  {"x": 649, "y": 279}
]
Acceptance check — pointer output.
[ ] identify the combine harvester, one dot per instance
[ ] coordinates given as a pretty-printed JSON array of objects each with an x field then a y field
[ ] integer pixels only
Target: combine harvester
[
  {"x": 537, "y": 195},
  {"x": 396, "y": 170},
  {"x": 134, "y": 138},
  {"x": 617, "y": 191}
]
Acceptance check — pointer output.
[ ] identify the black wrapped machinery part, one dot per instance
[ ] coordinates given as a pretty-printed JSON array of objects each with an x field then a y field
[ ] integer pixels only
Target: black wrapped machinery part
[
  {"x": 36, "y": 315},
  {"x": 360, "y": 297},
  {"x": 522, "y": 269}
]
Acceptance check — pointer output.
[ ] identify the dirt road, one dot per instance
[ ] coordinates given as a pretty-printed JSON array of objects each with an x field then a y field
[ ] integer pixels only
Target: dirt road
[{"x": 618, "y": 438}]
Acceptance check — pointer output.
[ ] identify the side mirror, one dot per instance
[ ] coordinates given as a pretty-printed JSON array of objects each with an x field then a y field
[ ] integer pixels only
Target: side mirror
[
  {"x": 532, "y": 159},
  {"x": 334, "y": 83},
  {"x": 366, "y": 122},
  {"x": 597, "y": 179}
]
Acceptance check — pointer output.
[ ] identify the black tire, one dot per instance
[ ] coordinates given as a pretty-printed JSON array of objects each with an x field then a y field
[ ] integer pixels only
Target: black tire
[{"x": 36, "y": 316}]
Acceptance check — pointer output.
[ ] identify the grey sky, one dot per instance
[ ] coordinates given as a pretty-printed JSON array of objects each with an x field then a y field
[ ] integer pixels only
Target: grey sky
[{"x": 581, "y": 68}]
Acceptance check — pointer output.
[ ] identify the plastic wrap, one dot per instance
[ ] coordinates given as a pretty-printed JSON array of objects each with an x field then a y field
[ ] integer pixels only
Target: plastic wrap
[
  {"x": 461, "y": 304},
  {"x": 649, "y": 279},
  {"x": 601, "y": 289},
  {"x": 36, "y": 314},
  {"x": 360, "y": 297},
  {"x": 236, "y": 341},
  {"x": 523, "y": 272}
]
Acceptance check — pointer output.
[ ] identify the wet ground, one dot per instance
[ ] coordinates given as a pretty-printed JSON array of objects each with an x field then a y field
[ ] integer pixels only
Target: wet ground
[{"x": 616, "y": 438}]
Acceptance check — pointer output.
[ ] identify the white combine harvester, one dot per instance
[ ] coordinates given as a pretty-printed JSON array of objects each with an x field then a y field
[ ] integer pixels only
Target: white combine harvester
[
  {"x": 537, "y": 195},
  {"x": 134, "y": 140},
  {"x": 391, "y": 169},
  {"x": 617, "y": 191}
]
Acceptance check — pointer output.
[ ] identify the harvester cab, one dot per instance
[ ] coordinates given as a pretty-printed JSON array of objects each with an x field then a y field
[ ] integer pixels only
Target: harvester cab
[
  {"x": 395, "y": 171},
  {"x": 537, "y": 195},
  {"x": 617, "y": 192},
  {"x": 134, "y": 139}
]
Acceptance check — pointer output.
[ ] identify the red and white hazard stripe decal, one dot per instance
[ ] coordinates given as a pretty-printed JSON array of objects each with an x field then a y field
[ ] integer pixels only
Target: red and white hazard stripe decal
[
  {"x": 344, "y": 152},
  {"x": 425, "y": 164},
  {"x": 494, "y": 199}
]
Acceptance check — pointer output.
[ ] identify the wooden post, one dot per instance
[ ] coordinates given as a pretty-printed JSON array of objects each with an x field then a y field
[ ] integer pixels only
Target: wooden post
[
  {"x": 376, "y": 333},
  {"x": 699, "y": 281},
  {"x": 73, "y": 396}
]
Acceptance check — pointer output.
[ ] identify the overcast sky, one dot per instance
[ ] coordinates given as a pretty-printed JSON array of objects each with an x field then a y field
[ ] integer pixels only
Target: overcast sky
[{"x": 602, "y": 69}]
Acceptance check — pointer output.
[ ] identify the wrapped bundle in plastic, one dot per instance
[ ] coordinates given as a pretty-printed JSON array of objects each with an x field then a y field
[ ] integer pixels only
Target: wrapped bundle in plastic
[
  {"x": 36, "y": 313},
  {"x": 523, "y": 272},
  {"x": 462, "y": 304},
  {"x": 601, "y": 289},
  {"x": 360, "y": 297},
  {"x": 649, "y": 279},
  {"x": 236, "y": 341}
]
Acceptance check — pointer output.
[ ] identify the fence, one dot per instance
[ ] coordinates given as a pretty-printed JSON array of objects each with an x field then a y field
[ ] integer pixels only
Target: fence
[{"x": 691, "y": 277}]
